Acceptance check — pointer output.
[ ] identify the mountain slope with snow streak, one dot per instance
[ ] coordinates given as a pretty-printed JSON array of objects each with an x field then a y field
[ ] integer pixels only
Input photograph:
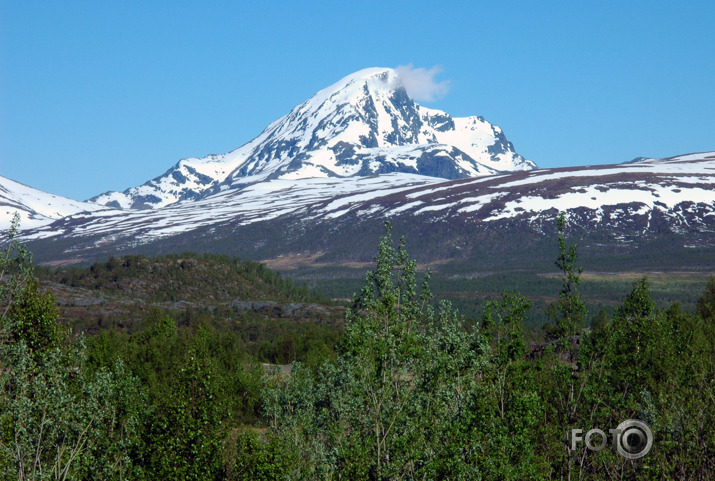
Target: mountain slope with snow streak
[
  {"x": 365, "y": 124},
  {"x": 36, "y": 208},
  {"x": 254, "y": 204},
  {"x": 621, "y": 205}
]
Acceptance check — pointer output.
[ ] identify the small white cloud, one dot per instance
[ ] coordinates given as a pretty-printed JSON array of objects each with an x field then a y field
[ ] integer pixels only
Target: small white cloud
[{"x": 420, "y": 83}]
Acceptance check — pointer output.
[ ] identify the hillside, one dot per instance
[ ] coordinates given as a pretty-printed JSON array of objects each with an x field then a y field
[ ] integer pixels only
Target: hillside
[
  {"x": 650, "y": 215},
  {"x": 187, "y": 277},
  {"x": 238, "y": 298},
  {"x": 35, "y": 207}
]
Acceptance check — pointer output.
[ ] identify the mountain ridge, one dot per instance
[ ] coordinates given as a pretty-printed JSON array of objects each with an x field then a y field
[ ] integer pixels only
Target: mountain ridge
[
  {"x": 361, "y": 152},
  {"x": 35, "y": 207},
  {"x": 614, "y": 207},
  {"x": 364, "y": 124}
]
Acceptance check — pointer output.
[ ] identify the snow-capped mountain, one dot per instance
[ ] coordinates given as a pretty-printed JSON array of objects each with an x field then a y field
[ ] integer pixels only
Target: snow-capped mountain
[
  {"x": 363, "y": 125},
  {"x": 617, "y": 206},
  {"x": 36, "y": 208},
  {"x": 325, "y": 176}
]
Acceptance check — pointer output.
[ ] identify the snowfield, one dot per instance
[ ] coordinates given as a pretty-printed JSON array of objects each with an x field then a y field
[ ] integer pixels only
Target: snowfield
[
  {"x": 362, "y": 151},
  {"x": 36, "y": 208},
  {"x": 365, "y": 124},
  {"x": 683, "y": 190}
]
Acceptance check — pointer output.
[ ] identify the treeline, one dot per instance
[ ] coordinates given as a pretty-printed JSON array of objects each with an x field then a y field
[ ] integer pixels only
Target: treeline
[
  {"x": 157, "y": 400},
  {"x": 470, "y": 294},
  {"x": 187, "y": 276},
  {"x": 248, "y": 306},
  {"x": 412, "y": 395},
  {"x": 408, "y": 391}
]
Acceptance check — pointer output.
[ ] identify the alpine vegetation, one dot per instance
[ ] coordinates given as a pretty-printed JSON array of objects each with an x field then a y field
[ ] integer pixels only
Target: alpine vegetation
[{"x": 166, "y": 386}]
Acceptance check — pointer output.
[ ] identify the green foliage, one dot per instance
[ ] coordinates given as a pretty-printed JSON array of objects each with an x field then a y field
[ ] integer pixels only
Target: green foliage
[
  {"x": 409, "y": 391},
  {"x": 28, "y": 315},
  {"x": 638, "y": 305},
  {"x": 58, "y": 420},
  {"x": 657, "y": 366},
  {"x": 251, "y": 458},
  {"x": 506, "y": 404},
  {"x": 185, "y": 429},
  {"x": 16, "y": 271},
  {"x": 199, "y": 386},
  {"x": 706, "y": 303},
  {"x": 505, "y": 320},
  {"x": 633, "y": 353},
  {"x": 33, "y": 315},
  {"x": 413, "y": 394},
  {"x": 470, "y": 291},
  {"x": 569, "y": 312},
  {"x": 287, "y": 342},
  {"x": 403, "y": 399},
  {"x": 187, "y": 277}
]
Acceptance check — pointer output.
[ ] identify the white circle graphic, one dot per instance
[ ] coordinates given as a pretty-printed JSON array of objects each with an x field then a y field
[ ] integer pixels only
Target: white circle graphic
[{"x": 634, "y": 440}]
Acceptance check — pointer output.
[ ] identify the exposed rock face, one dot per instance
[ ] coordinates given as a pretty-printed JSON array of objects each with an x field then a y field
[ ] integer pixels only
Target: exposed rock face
[{"x": 365, "y": 124}]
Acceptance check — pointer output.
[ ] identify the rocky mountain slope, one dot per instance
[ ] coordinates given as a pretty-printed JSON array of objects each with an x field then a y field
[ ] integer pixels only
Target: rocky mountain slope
[
  {"x": 365, "y": 124},
  {"x": 319, "y": 182},
  {"x": 617, "y": 206}
]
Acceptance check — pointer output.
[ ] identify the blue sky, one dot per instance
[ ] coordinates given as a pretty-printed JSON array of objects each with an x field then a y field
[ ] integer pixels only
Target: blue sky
[{"x": 104, "y": 95}]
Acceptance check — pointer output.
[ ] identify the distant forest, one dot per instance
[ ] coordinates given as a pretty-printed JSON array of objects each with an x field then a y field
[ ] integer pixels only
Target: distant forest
[{"x": 206, "y": 367}]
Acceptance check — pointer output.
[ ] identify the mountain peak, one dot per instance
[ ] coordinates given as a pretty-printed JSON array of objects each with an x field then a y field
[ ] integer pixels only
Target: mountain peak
[
  {"x": 369, "y": 79},
  {"x": 364, "y": 124},
  {"x": 378, "y": 76}
]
